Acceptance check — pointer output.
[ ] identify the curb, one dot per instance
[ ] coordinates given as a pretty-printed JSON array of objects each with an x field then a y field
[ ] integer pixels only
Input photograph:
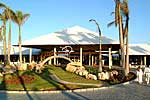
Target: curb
[{"x": 61, "y": 91}]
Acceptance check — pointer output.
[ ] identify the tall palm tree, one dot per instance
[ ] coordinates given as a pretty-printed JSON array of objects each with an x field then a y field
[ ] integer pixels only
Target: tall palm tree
[
  {"x": 20, "y": 18},
  {"x": 122, "y": 11},
  {"x": 9, "y": 14},
  {"x": 125, "y": 11},
  {"x": 3, "y": 19},
  {"x": 119, "y": 22},
  {"x": 100, "y": 44}
]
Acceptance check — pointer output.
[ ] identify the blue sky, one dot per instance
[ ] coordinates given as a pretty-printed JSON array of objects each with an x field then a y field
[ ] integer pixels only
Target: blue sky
[{"x": 52, "y": 15}]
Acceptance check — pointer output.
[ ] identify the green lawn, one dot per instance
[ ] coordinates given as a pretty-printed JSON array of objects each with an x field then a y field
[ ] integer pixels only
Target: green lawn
[
  {"x": 29, "y": 80},
  {"x": 71, "y": 77}
]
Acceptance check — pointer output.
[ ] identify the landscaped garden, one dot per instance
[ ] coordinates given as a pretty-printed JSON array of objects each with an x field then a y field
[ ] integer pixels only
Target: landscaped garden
[{"x": 30, "y": 80}]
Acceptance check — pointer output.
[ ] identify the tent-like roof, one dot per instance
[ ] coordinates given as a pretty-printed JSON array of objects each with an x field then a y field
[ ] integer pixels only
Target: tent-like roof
[
  {"x": 139, "y": 49},
  {"x": 25, "y": 51},
  {"x": 80, "y": 36},
  {"x": 71, "y": 36}
]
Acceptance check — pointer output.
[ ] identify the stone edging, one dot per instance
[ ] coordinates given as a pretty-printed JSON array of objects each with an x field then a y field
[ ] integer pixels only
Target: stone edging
[{"x": 61, "y": 91}]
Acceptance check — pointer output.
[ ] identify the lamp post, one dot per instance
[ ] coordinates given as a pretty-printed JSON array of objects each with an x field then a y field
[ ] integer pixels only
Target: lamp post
[{"x": 100, "y": 44}]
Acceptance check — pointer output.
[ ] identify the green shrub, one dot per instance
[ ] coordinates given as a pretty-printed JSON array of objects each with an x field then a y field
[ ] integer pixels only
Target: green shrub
[{"x": 92, "y": 70}]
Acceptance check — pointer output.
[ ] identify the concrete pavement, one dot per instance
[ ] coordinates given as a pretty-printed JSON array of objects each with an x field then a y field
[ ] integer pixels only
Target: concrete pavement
[{"x": 131, "y": 91}]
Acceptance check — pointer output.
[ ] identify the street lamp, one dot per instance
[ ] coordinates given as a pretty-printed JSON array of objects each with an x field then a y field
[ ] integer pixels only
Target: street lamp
[{"x": 100, "y": 44}]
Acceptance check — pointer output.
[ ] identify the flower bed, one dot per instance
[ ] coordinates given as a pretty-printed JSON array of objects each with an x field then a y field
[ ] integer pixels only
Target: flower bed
[{"x": 25, "y": 79}]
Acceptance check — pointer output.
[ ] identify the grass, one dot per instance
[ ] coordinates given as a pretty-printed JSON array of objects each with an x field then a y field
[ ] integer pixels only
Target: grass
[
  {"x": 29, "y": 80},
  {"x": 42, "y": 81},
  {"x": 71, "y": 77}
]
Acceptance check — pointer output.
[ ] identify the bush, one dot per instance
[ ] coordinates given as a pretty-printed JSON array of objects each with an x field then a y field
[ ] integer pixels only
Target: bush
[{"x": 92, "y": 70}]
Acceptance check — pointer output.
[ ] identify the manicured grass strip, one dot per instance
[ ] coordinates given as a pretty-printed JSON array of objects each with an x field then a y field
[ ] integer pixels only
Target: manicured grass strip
[
  {"x": 40, "y": 82},
  {"x": 71, "y": 77}
]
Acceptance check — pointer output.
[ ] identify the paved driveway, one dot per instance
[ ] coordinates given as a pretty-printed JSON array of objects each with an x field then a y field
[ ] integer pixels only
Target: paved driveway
[{"x": 131, "y": 91}]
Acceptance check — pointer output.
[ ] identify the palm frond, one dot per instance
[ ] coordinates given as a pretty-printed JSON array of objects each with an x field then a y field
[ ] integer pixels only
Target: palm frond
[
  {"x": 124, "y": 8},
  {"x": 25, "y": 17},
  {"x": 20, "y": 18},
  {"x": 112, "y": 13},
  {"x": 2, "y": 5},
  {"x": 111, "y": 23}
]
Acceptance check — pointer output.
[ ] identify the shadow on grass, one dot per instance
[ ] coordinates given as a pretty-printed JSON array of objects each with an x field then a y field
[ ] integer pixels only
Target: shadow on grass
[
  {"x": 61, "y": 86},
  {"x": 3, "y": 95},
  {"x": 45, "y": 75},
  {"x": 23, "y": 85}
]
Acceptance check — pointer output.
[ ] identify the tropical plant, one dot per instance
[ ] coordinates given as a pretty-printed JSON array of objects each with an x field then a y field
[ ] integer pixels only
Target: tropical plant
[
  {"x": 20, "y": 18},
  {"x": 121, "y": 10},
  {"x": 119, "y": 22},
  {"x": 9, "y": 15},
  {"x": 125, "y": 10},
  {"x": 100, "y": 45},
  {"x": 3, "y": 18}
]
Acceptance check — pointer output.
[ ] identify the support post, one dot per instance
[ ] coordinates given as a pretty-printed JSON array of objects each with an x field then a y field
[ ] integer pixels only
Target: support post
[
  {"x": 80, "y": 56},
  {"x": 110, "y": 59},
  {"x": 30, "y": 56},
  {"x": 92, "y": 60},
  {"x": 54, "y": 56},
  {"x": 144, "y": 60},
  {"x": 89, "y": 59}
]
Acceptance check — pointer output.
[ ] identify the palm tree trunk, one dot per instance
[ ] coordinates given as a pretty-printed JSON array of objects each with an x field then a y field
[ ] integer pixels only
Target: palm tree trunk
[
  {"x": 20, "y": 49},
  {"x": 9, "y": 42},
  {"x": 121, "y": 39},
  {"x": 4, "y": 43},
  {"x": 127, "y": 47}
]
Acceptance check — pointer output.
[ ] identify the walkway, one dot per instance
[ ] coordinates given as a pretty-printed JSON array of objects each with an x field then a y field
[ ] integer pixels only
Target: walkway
[
  {"x": 131, "y": 91},
  {"x": 54, "y": 77}
]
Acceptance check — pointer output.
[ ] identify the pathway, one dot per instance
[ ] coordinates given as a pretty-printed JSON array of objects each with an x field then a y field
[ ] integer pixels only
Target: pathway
[{"x": 131, "y": 91}]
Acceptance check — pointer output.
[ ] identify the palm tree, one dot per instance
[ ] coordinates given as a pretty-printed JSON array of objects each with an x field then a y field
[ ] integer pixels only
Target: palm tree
[
  {"x": 20, "y": 18},
  {"x": 3, "y": 19},
  {"x": 118, "y": 22},
  {"x": 125, "y": 11},
  {"x": 100, "y": 44},
  {"x": 121, "y": 10},
  {"x": 10, "y": 14}
]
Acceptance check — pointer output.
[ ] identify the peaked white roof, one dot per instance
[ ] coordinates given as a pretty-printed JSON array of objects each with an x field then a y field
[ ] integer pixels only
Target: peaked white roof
[
  {"x": 74, "y": 35},
  {"x": 139, "y": 49},
  {"x": 25, "y": 51}
]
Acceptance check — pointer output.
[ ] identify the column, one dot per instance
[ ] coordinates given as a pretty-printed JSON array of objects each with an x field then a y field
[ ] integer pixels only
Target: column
[
  {"x": 89, "y": 59},
  {"x": 54, "y": 56},
  {"x": 30, "y": 55},
  {"x": 80, "y": 56},
  {"x": 92, "y": 60},
  {"x": 50, "y": 62},
  {"x": 95, "y": 60},
  {"x": 144, "y": 60},
  {"x": 141, "y": 60},
  {"x": 110, "y": 59}
]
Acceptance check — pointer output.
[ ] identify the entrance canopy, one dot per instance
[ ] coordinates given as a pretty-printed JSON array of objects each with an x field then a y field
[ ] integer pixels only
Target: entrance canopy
[{"x": 75, "y": 37}]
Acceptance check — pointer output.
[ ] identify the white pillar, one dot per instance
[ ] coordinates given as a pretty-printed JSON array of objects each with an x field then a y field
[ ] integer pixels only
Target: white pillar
[
  {"x": 50, "y": 62},
  {"x": 30, "y": 55},
  {"x": 80, "y": 56},
  {"x": 92, "y": 60},
  {"x": 110, "y": 59},
  {"x": 89, "y": 59},
  {"x": 144, "y": 60},
  {"x": 95, "y": 62},
  {"x": 54, "y": 56}
]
